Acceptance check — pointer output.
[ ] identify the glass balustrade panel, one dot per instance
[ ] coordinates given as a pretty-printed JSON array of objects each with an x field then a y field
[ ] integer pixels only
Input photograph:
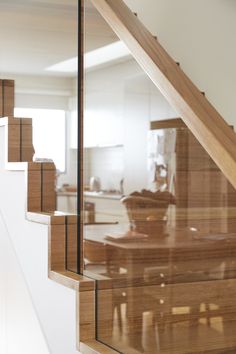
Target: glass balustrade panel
[{"x": 159, "y": 215}]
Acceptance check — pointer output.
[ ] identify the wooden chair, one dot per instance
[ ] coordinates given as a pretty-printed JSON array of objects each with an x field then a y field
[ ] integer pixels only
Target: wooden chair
[
  {"x": 147, "y": 210},
  {"x": 97, "y": 261}
]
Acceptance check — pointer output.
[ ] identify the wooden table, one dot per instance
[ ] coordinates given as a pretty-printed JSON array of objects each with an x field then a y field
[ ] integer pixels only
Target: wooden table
[
  {"x": 184, "y": 257},
  {"x": 187, "y": 250}
]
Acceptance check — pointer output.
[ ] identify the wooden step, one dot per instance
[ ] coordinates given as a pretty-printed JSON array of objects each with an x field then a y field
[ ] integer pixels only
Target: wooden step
[
  {"x": 6, "y": 98},
  {"x": 41, "y": 208}
]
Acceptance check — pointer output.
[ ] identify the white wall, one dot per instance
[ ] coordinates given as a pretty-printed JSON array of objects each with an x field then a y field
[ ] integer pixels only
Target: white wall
[
  {"x": 41, "y": 91},
  {"x": 20, "y": 331},
  {"x": 123, "y": 101},
  {"x": 45, "y": 92},
  {"x": 54, "y": 305},
  {"x": 201, "y": 36}
]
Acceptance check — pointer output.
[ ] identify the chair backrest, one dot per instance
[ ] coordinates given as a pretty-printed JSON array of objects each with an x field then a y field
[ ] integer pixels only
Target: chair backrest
[
  {"x": 147, "y": 205},
  {"x": 142, "y": 208},
  {"x": 94, "y": 252},
  {"x": 146, "y": 210}
]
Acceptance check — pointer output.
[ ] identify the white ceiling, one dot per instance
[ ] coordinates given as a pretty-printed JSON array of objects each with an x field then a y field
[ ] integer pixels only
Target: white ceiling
[
  {"x": 97, "y": 32},
  {"x": 35, "y": 34}
]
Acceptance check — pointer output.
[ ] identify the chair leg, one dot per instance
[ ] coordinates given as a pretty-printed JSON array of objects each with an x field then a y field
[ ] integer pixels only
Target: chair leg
[
  {"x": 208, "y": 314},
  {"x": 119, "y": 317}
]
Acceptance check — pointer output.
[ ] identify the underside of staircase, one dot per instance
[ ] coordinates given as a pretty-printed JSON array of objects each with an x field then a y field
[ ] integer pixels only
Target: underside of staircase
[{"x": 199, "y": 115}]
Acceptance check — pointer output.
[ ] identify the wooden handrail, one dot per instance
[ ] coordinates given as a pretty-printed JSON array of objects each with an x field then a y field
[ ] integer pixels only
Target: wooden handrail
[{"x": 200, "y": 116}]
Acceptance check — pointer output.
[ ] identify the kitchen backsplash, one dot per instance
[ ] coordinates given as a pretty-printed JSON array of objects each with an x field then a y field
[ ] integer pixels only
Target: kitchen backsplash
[{"x": 107, "y": 163}]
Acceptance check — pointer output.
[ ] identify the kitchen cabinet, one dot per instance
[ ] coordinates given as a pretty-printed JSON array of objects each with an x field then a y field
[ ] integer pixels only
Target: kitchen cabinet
[
  {"x": 105, "y": 130},
  {"x": 74, "y": 130},
  {"x": 67, "y": 202},
  {"x": 107, "y": 208}
]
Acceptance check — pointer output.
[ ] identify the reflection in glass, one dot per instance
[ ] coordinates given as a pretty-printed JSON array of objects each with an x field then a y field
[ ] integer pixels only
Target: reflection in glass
[{"x": 159, "y": 233}]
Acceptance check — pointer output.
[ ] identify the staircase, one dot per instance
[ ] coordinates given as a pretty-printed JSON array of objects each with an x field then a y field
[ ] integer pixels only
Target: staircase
[
  {"x": 40, "y": 206},
  {"x": 210, "y": 129}
]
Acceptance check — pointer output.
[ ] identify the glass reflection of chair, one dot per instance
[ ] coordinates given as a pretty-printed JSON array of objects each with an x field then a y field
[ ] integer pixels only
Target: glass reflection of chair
[
  {"x": 202, "y": 306},
  {"x": 147, "y": 211},
  {"x": 180, "y": 296},
  {"x": 95, "y": 257},
  {"x": 89, "y": 212},
  {"x": 98, "y": 261}
]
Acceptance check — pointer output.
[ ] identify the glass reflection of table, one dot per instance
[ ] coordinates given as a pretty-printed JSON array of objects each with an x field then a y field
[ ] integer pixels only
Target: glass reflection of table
[{"x": 173, "y": 270}]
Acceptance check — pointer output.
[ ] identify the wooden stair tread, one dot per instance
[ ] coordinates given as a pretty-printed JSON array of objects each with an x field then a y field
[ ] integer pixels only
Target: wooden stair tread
[
  {"x": 95, "y": 347},
  {"x": 72, "y": 280},
  {"x": 51, "y": 218}
]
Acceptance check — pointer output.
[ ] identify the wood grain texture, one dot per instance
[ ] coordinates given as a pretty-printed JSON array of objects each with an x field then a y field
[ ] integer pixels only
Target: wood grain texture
[
  {"x": 73, "y": 281},
  {"x": 105, "y": 309},
  {"x": 199, "y": 115},
  {"x": 187, "y": 318},
  {"x": 72, "y": 245},
  {"x": 14, "y": 141},
  {"x": 27, "y": 149},
  {"x": 85, "y": 316},
  {"x": 167, "y": 123},
  {"x": 34, "y": 181},
  {"x": 8, "y": 98},
  {"x": 48, "y": 187},
  {"x": 95, "y": 347},
  {"x": 20, "y": 145},
  {"x": 57, "y": 247}
]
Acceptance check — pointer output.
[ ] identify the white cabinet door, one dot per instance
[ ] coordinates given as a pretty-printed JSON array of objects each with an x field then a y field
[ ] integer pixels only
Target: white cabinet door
[
  {"x": 108, "y": 210},
  {"x": 67, "y": 204}
]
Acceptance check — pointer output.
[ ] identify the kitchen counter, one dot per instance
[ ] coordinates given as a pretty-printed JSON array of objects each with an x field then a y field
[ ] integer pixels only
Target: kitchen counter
[
  {"x": 103, "y": 195},
  {"x": 67, "y": 194},
  {"x": 67, "y": 201},
  {"x": 108, "y": 207}
]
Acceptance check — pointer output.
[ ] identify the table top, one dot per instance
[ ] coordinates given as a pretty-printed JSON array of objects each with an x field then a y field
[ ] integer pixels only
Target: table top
[{"x": 176, "y": 238}]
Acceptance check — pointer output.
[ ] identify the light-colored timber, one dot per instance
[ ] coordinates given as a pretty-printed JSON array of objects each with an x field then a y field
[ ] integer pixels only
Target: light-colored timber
[
  {"x": 14, "y": 140},
  {"x": 200, "y": 116},
  {"x": 167, "y": 123},
  {"x": 34, "y": 181},
  {"x": 7, "y": 98},
  {"x": 18, "y": 135},
  {"x": 48, "y": 175},
  {"x": 27, "y": 150},
  {"x": 94, "y": 347},
  {"x": 72, "y": 243},
  {"x": 71, "y": 280},
  {"x": 85, "y": 316}
]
